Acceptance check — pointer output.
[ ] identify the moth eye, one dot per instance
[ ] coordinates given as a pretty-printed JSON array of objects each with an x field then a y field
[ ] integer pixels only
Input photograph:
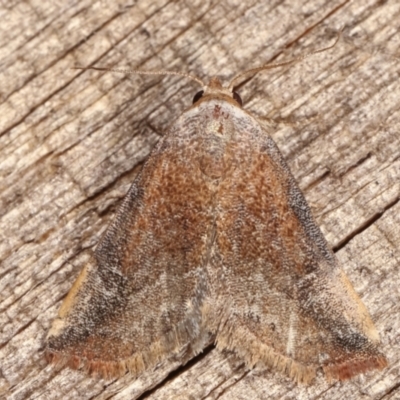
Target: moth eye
[
  {"x": 198, "y": 96},
  {"x": 238, "y": 99}
]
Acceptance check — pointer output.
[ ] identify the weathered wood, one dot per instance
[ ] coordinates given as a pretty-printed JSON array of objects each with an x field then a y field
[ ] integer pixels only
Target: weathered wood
[{"x": 71, "y": 142}]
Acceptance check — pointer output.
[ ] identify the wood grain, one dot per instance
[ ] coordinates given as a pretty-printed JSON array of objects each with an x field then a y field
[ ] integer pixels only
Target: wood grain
[{"x": 72, "y": 141}]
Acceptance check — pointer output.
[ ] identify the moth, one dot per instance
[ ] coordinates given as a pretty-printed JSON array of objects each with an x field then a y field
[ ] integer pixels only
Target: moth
[{"x": 215, "y": 241}]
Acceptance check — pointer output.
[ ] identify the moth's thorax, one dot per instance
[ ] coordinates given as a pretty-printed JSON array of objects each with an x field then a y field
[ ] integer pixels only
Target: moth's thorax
[{"x": 217, "y": 134}]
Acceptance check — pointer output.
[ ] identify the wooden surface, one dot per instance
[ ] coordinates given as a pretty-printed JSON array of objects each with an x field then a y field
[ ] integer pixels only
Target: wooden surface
[{"x": 71, "y": 142}]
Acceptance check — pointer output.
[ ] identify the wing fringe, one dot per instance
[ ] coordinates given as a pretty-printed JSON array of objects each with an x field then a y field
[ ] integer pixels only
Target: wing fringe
[
  {"x": 249, "y": 348},
  {"x": 178, "y": 340}
]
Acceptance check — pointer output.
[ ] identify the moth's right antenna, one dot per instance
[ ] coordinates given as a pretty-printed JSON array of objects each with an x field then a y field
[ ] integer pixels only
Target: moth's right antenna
[{"x": 253, "y": 71}]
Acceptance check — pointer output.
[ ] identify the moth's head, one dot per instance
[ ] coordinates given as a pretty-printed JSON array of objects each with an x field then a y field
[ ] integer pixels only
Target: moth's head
[{"x": 215, "y": 90}]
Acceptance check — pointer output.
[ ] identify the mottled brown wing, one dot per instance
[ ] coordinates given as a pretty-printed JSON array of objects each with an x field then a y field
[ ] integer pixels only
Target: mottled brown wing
[
  {"x": 282, "y": 298},
  {"x": 140, "y": 300},
  {"x": 214, "y": 237}
]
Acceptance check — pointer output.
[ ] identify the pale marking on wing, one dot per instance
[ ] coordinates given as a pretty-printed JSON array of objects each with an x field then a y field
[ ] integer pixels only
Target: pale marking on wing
[{"x": 291, "y": 335}]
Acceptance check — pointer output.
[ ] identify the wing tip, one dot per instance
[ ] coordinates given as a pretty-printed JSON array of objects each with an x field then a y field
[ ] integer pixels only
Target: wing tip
[
  {"x": 350, "y": 368},
  {"x": 98, "y": 369}
]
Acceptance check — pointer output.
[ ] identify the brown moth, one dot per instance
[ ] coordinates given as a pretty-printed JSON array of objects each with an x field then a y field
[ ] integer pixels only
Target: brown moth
[{"x": 214, "y": 240}]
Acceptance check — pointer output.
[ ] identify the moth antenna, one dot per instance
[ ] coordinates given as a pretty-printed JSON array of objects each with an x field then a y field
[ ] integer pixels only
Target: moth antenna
[
  {"x": 141, "y": 72},
  {"x": 253, "y": 71}
]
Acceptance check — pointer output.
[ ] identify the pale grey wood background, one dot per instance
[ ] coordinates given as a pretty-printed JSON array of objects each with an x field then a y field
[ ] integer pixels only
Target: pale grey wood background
[{"x": 71, "y": 142}]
